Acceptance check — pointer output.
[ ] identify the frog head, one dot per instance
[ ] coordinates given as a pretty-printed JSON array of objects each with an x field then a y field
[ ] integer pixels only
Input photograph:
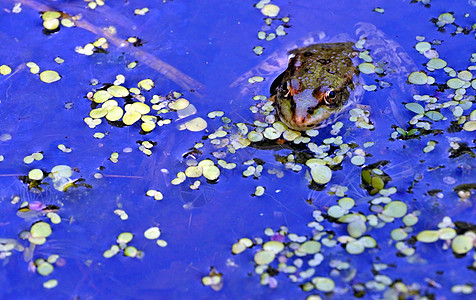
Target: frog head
[{"x": 316, "y": 85}]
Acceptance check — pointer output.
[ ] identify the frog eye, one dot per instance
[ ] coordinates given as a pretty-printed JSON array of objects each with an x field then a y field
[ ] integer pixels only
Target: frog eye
[{"x": 331, "y": 95}]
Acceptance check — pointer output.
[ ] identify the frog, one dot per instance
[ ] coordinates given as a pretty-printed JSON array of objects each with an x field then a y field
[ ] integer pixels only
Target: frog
[
  {"x": 317, "y": 83},
  {"x": 319, "y": 78}
]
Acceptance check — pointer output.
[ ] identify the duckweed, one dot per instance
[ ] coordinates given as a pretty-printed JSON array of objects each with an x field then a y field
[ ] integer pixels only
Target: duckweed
[
  {"x": 49, "y": 76},
  {"x": 49, "y": 284},
  {"x": 5, "y": 70},
  {"x": 152, "y": 233}
]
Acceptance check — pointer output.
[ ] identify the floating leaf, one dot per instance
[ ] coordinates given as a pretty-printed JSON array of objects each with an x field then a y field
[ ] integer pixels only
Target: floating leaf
[
  {"x": 434, "y": 115},
  {"x": 461, "y": 244},
  {"x": 418, "y": 78},
  {"x": 264, "y": 257},
  {"x": 270, "y": 10},
  {"x": 428, "y": 236},
  {"x": 49, "y": 76},
  {"x": 415, "y": 107},
  {"x": 40, "y": 230},
  {"x": 321, "y": 174},
  {"x": 323, "y": 284},
  {"x": 436, "y": 63},
  {"x": 395, "y": 209}
]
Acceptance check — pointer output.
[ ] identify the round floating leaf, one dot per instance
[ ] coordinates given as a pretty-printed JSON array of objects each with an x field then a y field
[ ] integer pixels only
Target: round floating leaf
[
  {"x": 114, "y": 113},
  {"x": 195, "y": 125},
  {"x": 310, "y": 247},
  {"x": 346, "y": 203},
  {"x": 336, "y": 211},
  {"x": 146, "y": 84},
  {"x": 418, "y": 78},
  {"x": 356, "y": 229},
  {"x": 270, "y": 10},
  {"x": 131, "y": 251},
  {"x": 152, "y": 233},
  {"x": 49, "y": 15},
  {"x": 434, "y": 115},
  {"x": 271, "y": 133},
  {"x": 118, "y": 91},
  {"x": 131, "y": 117},
  {"x": 35, "y": 174},
  {"x": 446, "y": 233},
  {"x": 140, "y": 107},
  {"x": 259, "y": 191},
  {"x": 415, "y": 107},
  {"x": 395, "y": 209},
  {"x": 423, "y": 46},
  {"x": 321, "y": 174},
  {"x": 455, "y": 83},
  {"x": 436, "y": 63},
  {"x": 428, "y": 236},
  {"x": 211, "y": 172},
  {"x": 237, "y": 248},
  {"x": 461, "y": 244},
  {"x": 51, "y": 24},
  {"x": 45, "y": 268},
  {"x": 98, "y": 113},
  {"x": 355, "y": 247},
  {"x": 54, "y": 217},
  {"x": 368, "y": 242},
  {"x": 358, "y": 160},
  {"x": 291, "y": 135},
  {"x": 40, "y": 230},
  {"x": 367, "y": 68},
  {"x": 465, "y": 75},
  {"x": 49, "y": 76},
  {"x": 62, "y": 171},
  {"x": 179, "y": 104},
  {"x": 398, "y": 234},
  {"x": 273, "y": 246},
  {"x": 194, "y": 171},
  {"x": 254, "y": 136},
  {"x": 124, "y": 238},
  {"x": 410, "y": 220},
  {"x": 264, "y": 257},
  {"x": 161, "y": 243},
  {"x": 52, "y": 283},
  {"x": 101, "y": 96},
  {"x": 323, "y": 284},
  {"x": 469, "y": 126}
]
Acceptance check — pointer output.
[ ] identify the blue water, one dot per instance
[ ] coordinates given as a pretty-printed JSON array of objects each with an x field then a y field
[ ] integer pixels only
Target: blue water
[{"x": 212, "y": 42}]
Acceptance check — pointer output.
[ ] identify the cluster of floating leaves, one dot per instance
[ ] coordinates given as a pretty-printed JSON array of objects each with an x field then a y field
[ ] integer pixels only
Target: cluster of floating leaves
[
  {"x": 121, "y": 106},
  {"x": 52, "y": 22},
  {"x": 460, "y": 243},
  {"x": 429, "y": 109},
  {"x": 270, "y": 31},
  {"x": 7, "y": 246},
  {"x": 98, "y": 46},
  {"x": 123, "y": 240},
  {"x": 297, "y": 255},
  {"x": 214, "y": 279},
  {"x": 449, "y": 19},
  {"x": 60, "y": 175},
  {"x": 45, "y": 267},
  {"x": 93, "y": 4}
]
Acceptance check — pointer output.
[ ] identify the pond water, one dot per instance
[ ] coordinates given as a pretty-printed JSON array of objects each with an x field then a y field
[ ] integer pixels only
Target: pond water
[{"x": 148, "y": 166}]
